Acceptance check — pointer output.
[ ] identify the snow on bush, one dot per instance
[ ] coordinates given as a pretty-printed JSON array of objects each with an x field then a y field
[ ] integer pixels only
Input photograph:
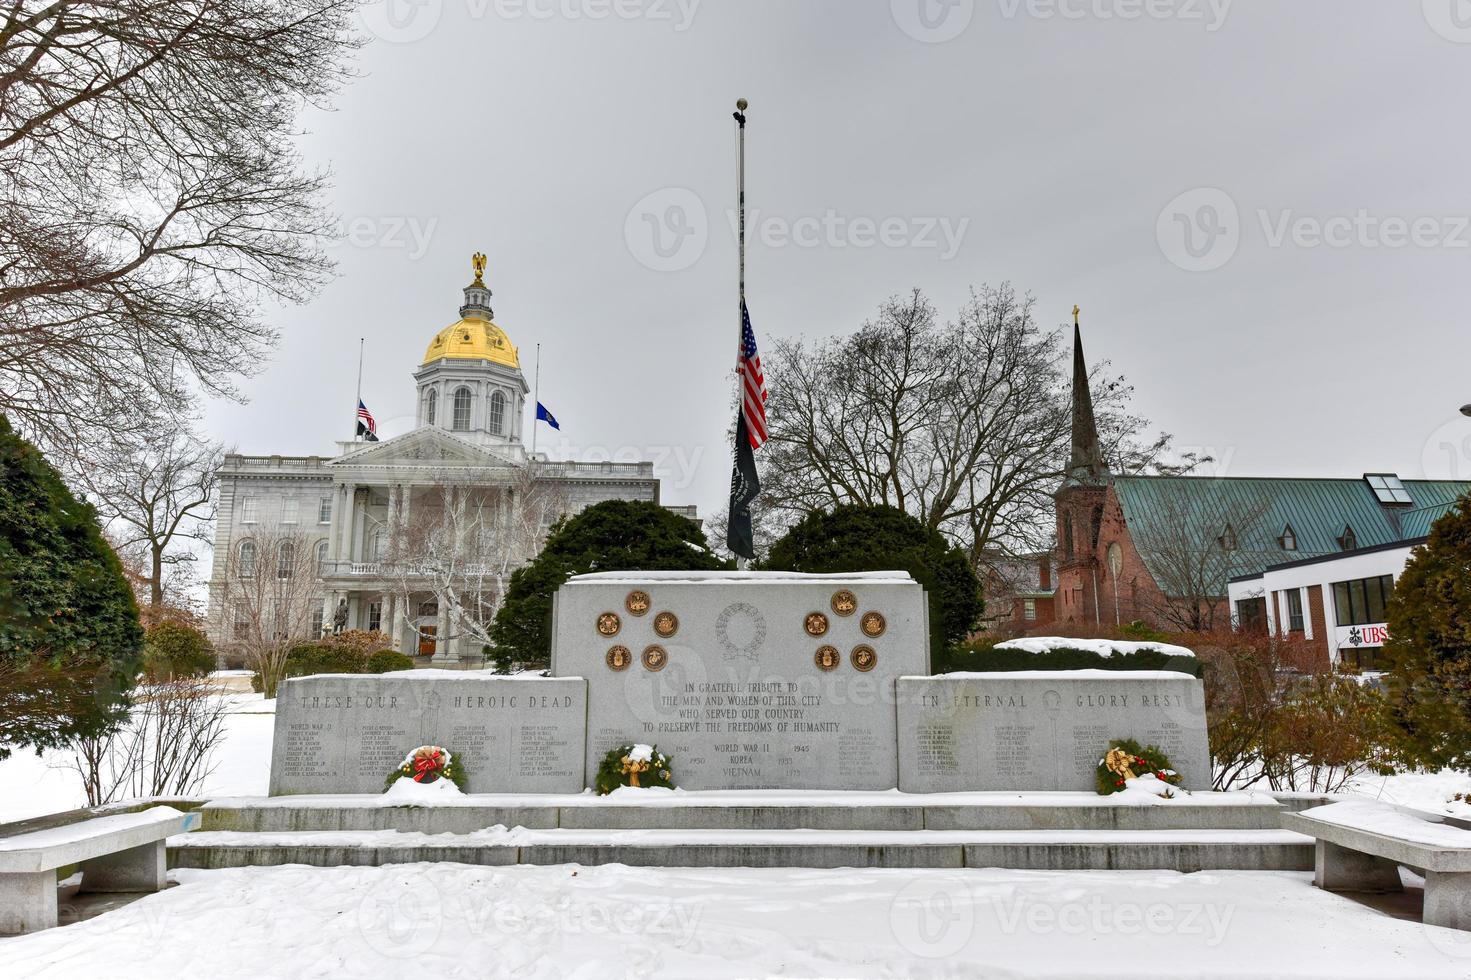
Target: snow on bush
[{"x": 1103, "y": 648}]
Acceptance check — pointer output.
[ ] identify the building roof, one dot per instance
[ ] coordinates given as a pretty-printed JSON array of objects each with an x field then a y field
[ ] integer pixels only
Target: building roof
[{"x": 1172, "y": 514}]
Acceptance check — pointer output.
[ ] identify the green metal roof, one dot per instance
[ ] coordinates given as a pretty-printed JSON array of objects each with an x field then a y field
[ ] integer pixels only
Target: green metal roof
[{"x": 1177, "y": 514}]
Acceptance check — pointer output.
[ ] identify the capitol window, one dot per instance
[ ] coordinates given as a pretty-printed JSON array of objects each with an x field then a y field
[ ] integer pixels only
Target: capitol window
[
  {"x": 462, "y": 409},
  {"x": 247, "y": 559},
  {"x": 321, "y": 554},
  {"x": 497, "y": 412},
  {"x": 285, "y": 560},
  {"x": 429, "y": 407}
]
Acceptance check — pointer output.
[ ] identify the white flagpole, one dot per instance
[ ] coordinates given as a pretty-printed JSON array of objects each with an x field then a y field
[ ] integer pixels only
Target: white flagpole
[
  {"x": 740, "y": 118},
  {"x": 359, "y": 400},
  {"x": 536, "y": 396}
]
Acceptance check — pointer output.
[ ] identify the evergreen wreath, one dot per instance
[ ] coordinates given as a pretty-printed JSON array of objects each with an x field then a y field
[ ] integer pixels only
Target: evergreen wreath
[
  {"x": 429, "y": 764},
  {"x": 634, "y": 765},
  {"x": 1126, "y": 759}
]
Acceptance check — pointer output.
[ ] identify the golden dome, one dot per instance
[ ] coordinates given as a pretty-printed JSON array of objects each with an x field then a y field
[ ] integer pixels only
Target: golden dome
[{"x": 473, "y": 339}]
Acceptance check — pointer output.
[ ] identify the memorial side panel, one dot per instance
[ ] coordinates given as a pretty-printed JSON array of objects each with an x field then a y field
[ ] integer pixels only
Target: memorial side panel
[
  {"x": 998, "y": 732},
  {"x": 345, "y": 733}
]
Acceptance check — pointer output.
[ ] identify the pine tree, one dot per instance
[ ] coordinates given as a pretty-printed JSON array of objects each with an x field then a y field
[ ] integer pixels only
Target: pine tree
[
  {"x": 615, "y": 535},
  {"x": 1429, "y": 646},
  {"x": 70, "y": 640}
]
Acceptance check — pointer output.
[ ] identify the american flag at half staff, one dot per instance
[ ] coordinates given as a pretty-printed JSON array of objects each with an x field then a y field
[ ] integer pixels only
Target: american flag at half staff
[
  {"x": 367, "y": 425},
  {"x": 753, "y": 383}
]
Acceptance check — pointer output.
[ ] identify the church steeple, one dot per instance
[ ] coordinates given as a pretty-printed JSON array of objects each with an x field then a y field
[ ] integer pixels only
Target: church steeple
[{"x": 1085, "y": 464}]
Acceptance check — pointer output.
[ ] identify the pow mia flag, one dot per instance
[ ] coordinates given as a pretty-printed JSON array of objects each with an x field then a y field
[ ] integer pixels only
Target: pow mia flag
[{"x": 744, "y": 487}]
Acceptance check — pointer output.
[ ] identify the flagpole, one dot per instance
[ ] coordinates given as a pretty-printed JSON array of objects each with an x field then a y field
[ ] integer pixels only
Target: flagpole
[
  {"x": 536, "y": 396},
  {"x": 359, "y": 400},
  {"x": 740, "y": 118}
]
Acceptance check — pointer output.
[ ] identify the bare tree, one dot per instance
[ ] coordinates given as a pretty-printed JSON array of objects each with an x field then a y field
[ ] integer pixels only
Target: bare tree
[
  {"x": 1190, "y": 542},
  {"x": 267, "y": 600},
  {"x": 154, "y": 491},
  {"x": 965, "y": 425},
  {"x": 464, "y": 537},
  {"x": 166, "y": 748},
  {"x": 151, "y": 198}
]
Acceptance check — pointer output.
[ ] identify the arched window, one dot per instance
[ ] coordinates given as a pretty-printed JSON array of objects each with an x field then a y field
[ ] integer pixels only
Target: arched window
[
  {"x": 462, "y": 409},
  {"x": 430, "y": 406},
  {"x": 497, "y": 412},
  {"x": 286, "y": 560},
  {"x": 1288, "y": 539},
  {"x": 321, "y": 554},
  {"x": 1348, "y": 541},
  {"x": 247, "y": 559}
]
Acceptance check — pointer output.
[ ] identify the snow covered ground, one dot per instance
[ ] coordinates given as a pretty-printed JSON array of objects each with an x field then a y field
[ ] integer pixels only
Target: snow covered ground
[{"x": 449, "y": 920}]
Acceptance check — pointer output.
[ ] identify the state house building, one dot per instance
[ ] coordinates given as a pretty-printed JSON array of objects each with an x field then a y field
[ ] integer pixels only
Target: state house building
[
  {"x": 351, "y": 509},
  {"x": 1310, "y": 558}
]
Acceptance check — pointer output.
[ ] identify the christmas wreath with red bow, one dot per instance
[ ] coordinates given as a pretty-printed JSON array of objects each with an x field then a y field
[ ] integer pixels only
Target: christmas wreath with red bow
[
  {"x": 428, "y": 764},
  {"x": 1126, "y": 759}
]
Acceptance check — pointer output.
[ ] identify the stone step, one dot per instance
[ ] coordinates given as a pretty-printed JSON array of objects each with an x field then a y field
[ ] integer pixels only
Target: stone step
[
  {"x": 836, "y": 811},
  {"x": 1172, "y": 850}
]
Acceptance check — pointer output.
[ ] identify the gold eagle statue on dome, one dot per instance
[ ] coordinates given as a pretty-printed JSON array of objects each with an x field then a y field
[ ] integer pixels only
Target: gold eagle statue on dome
[{"x": 477, "y": 262}]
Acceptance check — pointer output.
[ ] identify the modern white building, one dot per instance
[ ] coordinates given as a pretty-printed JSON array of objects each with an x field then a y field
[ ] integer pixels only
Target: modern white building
[
  {"x": 1336, "y": 601},
  {"x": 369, "y": 523}
]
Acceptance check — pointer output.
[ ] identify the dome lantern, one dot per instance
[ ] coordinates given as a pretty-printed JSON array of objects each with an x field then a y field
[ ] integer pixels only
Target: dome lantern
[{"x": 477, "y": 294}]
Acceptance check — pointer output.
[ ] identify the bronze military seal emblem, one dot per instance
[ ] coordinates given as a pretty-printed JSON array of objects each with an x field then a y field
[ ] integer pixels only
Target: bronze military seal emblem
[
  {"x": 637, "y": 602},
  {"x": 655, "y": 658},
  {"x": 619, "y": 658},
  {"x": 873, "y": 624},
  {"x": 609, "y": 624},
  {"x": 864, "y": 659},
  {"x": 666, "y": 624},
  {"x": 827, "y": 658},
  {"x": 844, "y": 603},
  {"x": 816, "y": 624}
]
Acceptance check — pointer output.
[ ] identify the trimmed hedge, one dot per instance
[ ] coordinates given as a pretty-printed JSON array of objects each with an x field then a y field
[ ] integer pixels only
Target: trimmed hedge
[{"x": 979, "y": 658}]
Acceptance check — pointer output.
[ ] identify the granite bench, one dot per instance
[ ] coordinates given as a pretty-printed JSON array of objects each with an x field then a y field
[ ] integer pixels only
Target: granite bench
[
  {"x": 1361, "y": 845},
  {"x": 122, "y": 852}
]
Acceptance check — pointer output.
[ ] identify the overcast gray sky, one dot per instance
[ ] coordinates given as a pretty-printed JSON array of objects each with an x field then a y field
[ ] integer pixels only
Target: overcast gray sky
[{"x": 1261, "y": 206}]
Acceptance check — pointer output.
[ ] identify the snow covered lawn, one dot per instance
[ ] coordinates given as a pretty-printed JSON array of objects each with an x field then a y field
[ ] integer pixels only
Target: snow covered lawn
[{"x": 602, "y": 923}]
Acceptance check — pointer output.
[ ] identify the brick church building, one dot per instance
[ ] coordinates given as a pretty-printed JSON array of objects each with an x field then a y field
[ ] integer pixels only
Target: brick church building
[{"x": 1162, "y": 549}]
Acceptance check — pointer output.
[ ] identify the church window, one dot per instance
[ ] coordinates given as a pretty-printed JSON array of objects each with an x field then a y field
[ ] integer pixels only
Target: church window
[
  {"x": 430, "y": 406},
  {"x": 462, "y": 409},
  {"x": 285, "y": 560},
  {"x": 497, "y": 412},
  {"x": 247, "y": 559}
]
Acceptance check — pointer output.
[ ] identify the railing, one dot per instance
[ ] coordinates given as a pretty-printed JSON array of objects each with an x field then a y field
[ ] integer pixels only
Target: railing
[{"x": 379, "y": 569}]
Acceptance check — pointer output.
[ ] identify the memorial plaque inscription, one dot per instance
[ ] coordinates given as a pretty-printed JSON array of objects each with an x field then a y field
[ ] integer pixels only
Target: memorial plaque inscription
[
  {"x": 1043, "y": 730},
  {"x": 752, "y": 691},
  {"x": 343, "y": 733}
]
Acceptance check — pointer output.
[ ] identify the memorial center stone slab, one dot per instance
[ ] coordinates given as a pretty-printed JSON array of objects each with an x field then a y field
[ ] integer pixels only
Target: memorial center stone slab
[
  {"x": 1044, "y": 730},
  {"x": 344, "y": 733},
  {"x": 748, "y": 680}
]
